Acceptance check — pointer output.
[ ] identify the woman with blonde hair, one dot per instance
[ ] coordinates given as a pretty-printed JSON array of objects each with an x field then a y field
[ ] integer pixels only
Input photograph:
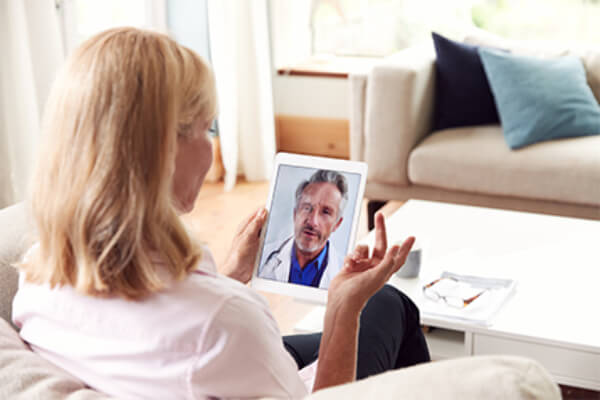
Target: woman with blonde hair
[{"x": 117, "y": 293}]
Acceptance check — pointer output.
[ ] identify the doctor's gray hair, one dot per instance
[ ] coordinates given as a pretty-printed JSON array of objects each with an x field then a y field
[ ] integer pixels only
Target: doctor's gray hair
[{"x": 326, "y": 176}]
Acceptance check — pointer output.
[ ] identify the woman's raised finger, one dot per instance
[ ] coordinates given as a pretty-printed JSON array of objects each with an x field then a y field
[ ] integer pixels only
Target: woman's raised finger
[{"x": 380, "y": 237}]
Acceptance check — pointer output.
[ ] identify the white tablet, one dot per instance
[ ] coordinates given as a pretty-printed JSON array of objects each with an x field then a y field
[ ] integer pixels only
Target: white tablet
[{"x": 314, "y": 208}]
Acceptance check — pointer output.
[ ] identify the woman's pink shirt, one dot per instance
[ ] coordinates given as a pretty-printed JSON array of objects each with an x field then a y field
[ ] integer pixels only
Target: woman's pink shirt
[{"x": 207, "y": 336}]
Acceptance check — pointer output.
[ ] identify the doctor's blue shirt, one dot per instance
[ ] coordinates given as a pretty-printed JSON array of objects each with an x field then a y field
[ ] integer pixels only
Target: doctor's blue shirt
[{"x": 313, "y": 272}]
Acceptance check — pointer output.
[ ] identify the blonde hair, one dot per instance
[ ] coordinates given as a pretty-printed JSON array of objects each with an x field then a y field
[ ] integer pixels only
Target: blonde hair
[{"x": 101, "y": 195}]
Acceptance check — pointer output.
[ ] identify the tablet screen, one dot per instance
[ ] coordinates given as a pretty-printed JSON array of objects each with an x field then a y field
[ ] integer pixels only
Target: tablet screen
[{"x": 310, "y": 225}]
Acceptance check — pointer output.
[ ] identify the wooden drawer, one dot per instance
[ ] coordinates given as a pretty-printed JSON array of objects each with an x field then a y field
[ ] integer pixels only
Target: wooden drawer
[{"x": 314, "y": 136}]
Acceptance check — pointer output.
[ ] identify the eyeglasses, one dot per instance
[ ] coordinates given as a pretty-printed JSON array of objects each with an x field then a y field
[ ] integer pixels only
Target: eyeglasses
[{"x": 453, "y": 301}]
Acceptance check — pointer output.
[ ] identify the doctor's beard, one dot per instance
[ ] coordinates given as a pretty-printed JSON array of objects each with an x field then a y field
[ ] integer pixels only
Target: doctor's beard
[{"x": 310, "y": 248}]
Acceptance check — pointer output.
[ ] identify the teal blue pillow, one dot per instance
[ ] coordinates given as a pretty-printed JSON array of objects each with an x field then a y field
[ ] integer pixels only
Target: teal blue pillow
[{"x": 540, "y": 99}]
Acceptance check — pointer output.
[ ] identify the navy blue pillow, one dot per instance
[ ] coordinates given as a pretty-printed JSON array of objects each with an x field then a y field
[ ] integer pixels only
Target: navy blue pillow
[{"x": 463, "y": 96}]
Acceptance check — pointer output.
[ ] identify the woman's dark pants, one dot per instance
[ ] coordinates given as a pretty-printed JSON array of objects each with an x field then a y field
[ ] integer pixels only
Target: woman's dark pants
[{"x": 390, "y": 336}]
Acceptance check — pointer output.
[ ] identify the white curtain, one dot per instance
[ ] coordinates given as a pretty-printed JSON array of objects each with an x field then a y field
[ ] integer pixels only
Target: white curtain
[
  {"x": 31, "y": 53},
  {"x": 241, "y": 58}
]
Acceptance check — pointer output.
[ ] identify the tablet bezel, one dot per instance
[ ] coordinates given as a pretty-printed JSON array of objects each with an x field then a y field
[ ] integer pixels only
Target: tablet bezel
[{"x": 307, "y": 293}]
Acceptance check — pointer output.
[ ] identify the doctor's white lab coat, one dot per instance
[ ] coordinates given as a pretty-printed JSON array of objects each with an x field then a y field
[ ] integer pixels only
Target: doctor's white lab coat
[{"x": 279, "y": 258}]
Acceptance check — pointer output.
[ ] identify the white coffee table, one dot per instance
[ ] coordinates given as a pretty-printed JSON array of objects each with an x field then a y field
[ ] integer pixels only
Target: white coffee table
[{"x": 554, "y": 315}]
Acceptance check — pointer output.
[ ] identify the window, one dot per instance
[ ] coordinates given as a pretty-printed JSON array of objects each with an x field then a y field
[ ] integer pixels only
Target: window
[
  {"x": 556, "y": 20},
  {"x": 84, "y": 18},
  {"x": 187, "y": 21},
  {"x": 381, "y": 27}
]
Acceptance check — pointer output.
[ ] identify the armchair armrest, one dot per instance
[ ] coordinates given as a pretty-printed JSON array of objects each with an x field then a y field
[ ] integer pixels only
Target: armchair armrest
[{"x": 391, "y": 112}]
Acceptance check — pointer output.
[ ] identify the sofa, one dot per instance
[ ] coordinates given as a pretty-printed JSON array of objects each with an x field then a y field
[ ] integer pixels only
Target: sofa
[
  {"x": 392, "y": 108},
  {"x": 25, "y": 375}
]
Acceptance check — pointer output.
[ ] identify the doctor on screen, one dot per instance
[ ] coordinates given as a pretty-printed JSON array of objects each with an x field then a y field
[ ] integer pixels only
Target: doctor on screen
[{"x": 307, "y": 257}]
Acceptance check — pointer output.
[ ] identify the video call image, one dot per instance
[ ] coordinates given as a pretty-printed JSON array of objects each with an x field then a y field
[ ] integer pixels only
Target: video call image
[{"x": 309, "y": 225}]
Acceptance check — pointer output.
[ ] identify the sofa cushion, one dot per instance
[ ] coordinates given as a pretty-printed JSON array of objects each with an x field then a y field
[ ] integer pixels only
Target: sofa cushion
[
  {"x": 541, "y": 99},
  {"x": 462, "y": 93},
  {"x": 25, "y": 375},
  {"x": 477, "y": 160}
]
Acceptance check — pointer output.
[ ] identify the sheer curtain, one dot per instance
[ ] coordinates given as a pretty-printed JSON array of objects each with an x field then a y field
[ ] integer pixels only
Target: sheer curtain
[
  {"x": 31, "y": 48},
  {"x": 241, "y": 57}
]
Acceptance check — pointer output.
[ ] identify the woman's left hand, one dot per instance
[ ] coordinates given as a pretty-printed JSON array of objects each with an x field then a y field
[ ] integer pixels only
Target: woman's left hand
[
  {"x": 363, "y": 275},
  {"x": 240, "y": 262},
  {"x": 360, "y": 277}
]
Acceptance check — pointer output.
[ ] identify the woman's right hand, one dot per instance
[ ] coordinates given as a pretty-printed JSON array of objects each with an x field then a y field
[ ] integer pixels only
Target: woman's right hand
[{"x": 363, "y": 275}]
